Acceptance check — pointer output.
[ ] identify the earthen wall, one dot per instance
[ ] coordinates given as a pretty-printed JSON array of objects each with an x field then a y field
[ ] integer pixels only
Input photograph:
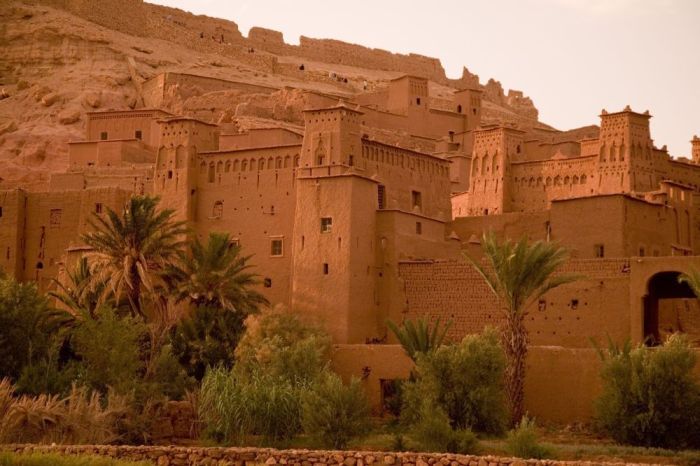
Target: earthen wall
[
  {"x": 200, "y": 456},
  {"x": 595, "y": 306}
]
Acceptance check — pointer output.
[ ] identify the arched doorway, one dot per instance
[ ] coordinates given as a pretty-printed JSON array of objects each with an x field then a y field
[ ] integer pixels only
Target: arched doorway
[{"x": 669, "y": 307}]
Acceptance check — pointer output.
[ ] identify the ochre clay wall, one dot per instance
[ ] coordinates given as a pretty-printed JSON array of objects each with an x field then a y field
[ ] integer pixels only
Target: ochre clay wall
[
  {"x": 13, "y": 211},
  {"x": 127, "y": 16},
  {"x": 54, "y": 221},
  {"x": 259, "y": 138},
  {"x": 252, "y": 196},
  {"x": 595, "y": 306},
  {"x": 562, "y": 384}
]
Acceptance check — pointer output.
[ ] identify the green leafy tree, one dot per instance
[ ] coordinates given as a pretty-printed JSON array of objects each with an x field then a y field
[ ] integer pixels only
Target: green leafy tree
[
  {"x": 650, "y": 397},
  {"x": 519, "y": 273},
  {"x": 207, "y": 338},
  {"x": 333, "y": 412},
  {"x": 418, "y": 337},
  {"x": 277, "y": 342},
  {"x": 465, "y": 381},
  {"x": 109, "y": 350},
  {"x": 216, "y": 275},
  {"x": 132, "y": 249},
  {"x": 27, "y": 326}
]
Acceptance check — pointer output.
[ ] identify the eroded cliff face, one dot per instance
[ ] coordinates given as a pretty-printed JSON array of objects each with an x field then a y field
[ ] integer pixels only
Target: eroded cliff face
[{"x": 64, "y": 58}]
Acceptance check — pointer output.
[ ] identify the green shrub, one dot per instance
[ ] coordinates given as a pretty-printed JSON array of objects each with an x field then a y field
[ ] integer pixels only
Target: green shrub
[
  {"x": 170, "y": 377},
  {"x": 95, "y": 341},
  {"x": 207, "y": 338},
  {"x": 435, "y": 434},
  {"x": 233, "y": 408},
  {"x": 649, "y": 395},
  {"x": 522, "y": 441},
  {"x": 465, "y": 381},
  {"x": 25, "y": 327},
  {"x": 335, "y": 413},
  {"x": 45, "y": 459},
  {"x": 276, "y": 342}
]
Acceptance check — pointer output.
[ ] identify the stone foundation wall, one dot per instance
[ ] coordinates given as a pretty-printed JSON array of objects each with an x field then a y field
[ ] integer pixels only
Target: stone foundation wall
[{"x": 194, "y": 456}]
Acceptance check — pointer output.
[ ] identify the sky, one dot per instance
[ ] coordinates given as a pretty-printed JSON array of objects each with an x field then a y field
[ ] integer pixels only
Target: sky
[{"x": 572, "y": 57}]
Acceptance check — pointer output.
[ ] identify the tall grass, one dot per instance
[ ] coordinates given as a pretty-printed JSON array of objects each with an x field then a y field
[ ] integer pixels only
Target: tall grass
[
  {"x": 79, "y": 418},
  {"x": 263, "y": 405}
]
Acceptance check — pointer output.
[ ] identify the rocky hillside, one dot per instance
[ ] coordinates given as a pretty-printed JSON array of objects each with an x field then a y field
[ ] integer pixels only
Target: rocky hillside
[{"x": 63, "y": 58}]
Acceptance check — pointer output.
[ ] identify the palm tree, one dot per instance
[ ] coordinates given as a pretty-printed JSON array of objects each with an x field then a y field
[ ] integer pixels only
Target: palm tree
[
  {"x": 131, "y": 250},
  {"x": 216, "y": 275},
  {"x": 418, "y": 337},
  {"x": 692, "y": 278},
  {"x": 78, "y": 294},
  {"x": 518, "y": 274}
]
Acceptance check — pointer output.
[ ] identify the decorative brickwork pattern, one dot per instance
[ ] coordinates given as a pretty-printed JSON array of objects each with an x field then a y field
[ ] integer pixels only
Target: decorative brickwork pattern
[{"x": 595, "y": 306}]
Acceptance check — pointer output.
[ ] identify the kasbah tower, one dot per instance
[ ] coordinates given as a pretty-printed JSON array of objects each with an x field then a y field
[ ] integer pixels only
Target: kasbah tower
[{"x": 358, "y": 197}]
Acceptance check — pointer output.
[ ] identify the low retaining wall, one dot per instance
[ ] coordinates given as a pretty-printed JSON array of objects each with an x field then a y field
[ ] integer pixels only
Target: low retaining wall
[{"x": 195, "y": 456}]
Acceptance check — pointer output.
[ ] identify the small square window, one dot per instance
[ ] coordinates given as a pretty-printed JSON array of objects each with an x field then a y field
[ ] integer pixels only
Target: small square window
[
  {"x": 419, "y": 228},
  {"x": 326, "y": 224},
  {"x": 103, "y": 136},
  {"x": 267, "y": 283},
  {"x": 325, "y": 268},
  {"x": 55, "y": 217},
  {"x": 599, "y": 250},
  {"x": 416, "y": 200},
  {"x": 218, "y": 209},
  {"x": 234, "y": 243},
  {"x": 138, "y": 134},
  {"x": 574, "y": 304},
  {"x": 98, "y": 208},
  {"x": 276, "y": 249}
]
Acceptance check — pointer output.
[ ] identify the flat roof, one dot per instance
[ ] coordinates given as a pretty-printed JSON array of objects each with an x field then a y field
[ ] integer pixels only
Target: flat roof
[
  {"x": 339, "y": 106},
  {"x": 131, "y": 110},
  {"x": 413, "y": 76},
  {"x": 186, "y": 118}
]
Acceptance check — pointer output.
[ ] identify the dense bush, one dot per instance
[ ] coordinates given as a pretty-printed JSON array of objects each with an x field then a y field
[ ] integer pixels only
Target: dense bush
[
  {"x": 42, "y": 459},
  {"x": 434, "y": 433},
  {"x": 95, "y": 341},
  {"x": 207, "y": 338},
  {"x": 25, "y": 327},
  {"x": 335, "y": 413},
  {"x": 522, "y": 441},
  {"x": 463, "y": 380},
  {"x": 278, "y": 343},
  {"x": 649, "y": 395}
]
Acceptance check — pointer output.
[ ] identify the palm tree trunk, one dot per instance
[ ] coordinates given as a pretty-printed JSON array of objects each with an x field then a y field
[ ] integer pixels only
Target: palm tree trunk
[{"x": 515, "y": 345}]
